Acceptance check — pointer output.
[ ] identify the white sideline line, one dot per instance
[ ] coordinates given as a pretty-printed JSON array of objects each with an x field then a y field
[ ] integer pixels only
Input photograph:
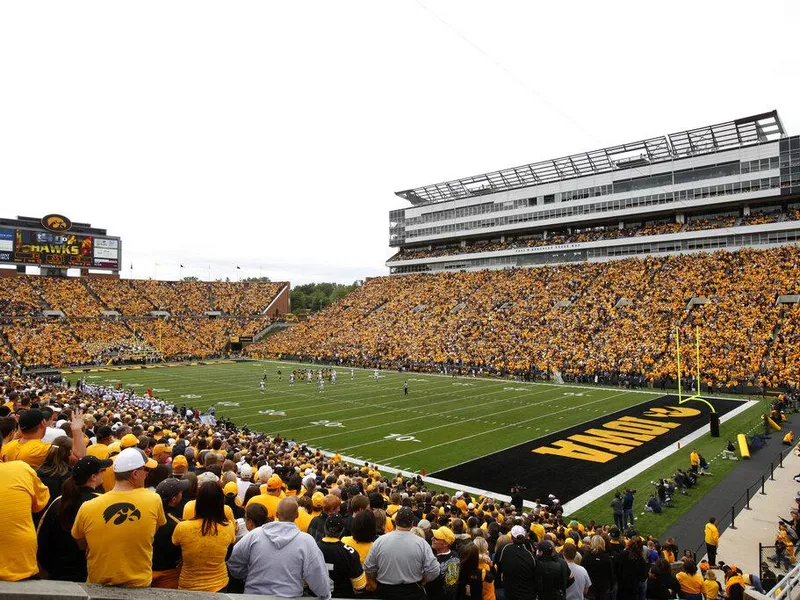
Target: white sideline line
[
  {"x": 593, "y": 494},
  {"x": 583, "y": 499}
]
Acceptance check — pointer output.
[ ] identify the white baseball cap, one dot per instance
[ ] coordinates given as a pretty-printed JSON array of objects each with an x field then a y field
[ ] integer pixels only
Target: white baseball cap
[
  {"x": 517, "y": 531},
  {"x": 131, "y": 459}
]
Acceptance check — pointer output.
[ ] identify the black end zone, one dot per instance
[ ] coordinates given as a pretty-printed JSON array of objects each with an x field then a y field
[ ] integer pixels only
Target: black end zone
[{"x": 575, "y": 460}]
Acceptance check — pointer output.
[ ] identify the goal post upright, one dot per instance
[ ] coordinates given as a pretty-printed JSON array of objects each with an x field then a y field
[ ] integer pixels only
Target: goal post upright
[
  {"x": 697, "y": 359},
  {"x": 678, "y": 350}
]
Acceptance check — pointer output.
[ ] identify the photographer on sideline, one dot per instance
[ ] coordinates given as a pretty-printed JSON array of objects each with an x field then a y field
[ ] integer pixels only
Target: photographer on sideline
[
  {"x": 616, "y": 507},
  {"x": 627, "y": 507}
]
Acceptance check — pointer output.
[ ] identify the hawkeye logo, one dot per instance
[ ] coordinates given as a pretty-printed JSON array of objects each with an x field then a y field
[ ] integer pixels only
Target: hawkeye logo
[
  {"x": 56, "y": 223},
  {"x": 618, "y": 436},
  {"x": 121, "y": 512}
]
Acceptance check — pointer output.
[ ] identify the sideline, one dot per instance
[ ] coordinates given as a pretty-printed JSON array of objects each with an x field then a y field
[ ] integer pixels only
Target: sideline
[
  {"x": 616, "y": 481},
  {"x": 582, "y": 500}
]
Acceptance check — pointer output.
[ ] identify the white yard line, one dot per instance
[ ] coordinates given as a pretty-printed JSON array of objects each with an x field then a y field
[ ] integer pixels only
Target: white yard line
[
  {"x": 480, "y": 433},
  {"x": 426, "y": 413}
]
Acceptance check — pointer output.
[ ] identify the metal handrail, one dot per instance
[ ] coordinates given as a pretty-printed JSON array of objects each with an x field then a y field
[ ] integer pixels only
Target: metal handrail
[{"x": 768, "y": 475}]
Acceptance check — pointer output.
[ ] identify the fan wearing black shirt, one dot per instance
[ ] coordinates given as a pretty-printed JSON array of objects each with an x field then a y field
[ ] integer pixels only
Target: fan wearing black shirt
[
  {"x": 166, "y": 555},
  {"x": 344, "y": 565}
]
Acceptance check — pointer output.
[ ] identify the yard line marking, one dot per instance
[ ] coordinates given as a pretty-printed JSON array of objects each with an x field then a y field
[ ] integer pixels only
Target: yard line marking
[
  {"x": 417, "y": 432},
  {"x": 495, "y": 429}
]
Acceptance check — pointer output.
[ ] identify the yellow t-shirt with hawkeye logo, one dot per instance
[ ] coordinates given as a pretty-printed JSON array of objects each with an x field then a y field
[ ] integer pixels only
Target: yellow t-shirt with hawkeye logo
[{"x": 119, "y": 528}]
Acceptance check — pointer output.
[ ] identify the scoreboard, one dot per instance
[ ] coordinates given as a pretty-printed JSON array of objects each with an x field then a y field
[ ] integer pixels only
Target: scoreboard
[{"x": 63, "y": 246}]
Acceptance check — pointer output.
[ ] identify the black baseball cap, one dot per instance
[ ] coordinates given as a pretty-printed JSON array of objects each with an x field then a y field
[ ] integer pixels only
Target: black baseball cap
[
  {"x": 88, "y": 466},
  {"x": 546, "y": 547},
  {"x": 170, "y": 487},
  {"x": 30, "y": 419},
  {"x": 334, "y": 525}
]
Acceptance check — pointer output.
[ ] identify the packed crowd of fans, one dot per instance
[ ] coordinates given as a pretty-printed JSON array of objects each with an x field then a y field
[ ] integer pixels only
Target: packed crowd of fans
[
  {"x": 587, "y": 319},
  {"x": 40, "y": 343},
  {"x": 105, "y": 486},
  {"x": 89, "y": 297},
  {"x": 597, "y": 233},
  {"x": 86, "y": 337}
]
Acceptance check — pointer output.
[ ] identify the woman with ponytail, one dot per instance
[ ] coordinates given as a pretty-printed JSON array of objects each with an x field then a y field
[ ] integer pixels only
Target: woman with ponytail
[
  {"x": 59, "y": 554},
  {"x": 55, "y": 469}
]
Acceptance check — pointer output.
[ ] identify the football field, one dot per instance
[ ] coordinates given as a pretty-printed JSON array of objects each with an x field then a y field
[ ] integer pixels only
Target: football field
[{"x": 443, "y": 422}]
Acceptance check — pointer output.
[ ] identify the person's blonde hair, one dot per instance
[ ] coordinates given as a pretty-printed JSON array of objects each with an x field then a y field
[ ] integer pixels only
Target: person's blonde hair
[
  {"x": 597, "y": 544},
  {"x": 418, "y": 532},
  {"x": 483, "y": 548},
  {"x": 710, "y": 575}
]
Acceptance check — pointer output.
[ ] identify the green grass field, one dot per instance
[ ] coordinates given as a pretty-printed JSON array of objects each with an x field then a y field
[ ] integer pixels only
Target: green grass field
[{"x": 442, "y": 422}]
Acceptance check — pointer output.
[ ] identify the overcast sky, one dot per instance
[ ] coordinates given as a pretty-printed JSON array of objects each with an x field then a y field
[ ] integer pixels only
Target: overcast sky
[{"x": 273, "y": 135}]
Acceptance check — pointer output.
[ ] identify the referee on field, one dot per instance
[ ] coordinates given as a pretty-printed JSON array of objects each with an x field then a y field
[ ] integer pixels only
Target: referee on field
[{"x": 401, "y": 562}]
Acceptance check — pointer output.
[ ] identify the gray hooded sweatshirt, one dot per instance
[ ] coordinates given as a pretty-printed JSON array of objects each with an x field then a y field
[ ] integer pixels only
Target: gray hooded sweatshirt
[{"x": 275, "y": 558}]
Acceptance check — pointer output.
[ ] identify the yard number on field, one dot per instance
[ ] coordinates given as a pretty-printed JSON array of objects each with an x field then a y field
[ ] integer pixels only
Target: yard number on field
[
  {"x": 272, "y": 413},
  {"x": 399, "y": 437},
  {"x": 327, "y": 423}
]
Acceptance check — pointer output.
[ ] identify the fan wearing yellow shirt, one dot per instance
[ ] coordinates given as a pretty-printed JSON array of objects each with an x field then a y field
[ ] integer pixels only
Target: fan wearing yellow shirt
[
  {"x": 394, "y": 504},
  {"x": 100, "y": 449},
  {"x": 21, "y": 494},
  {"x": 190, "y": 507},
  {"x": 304, "y": 517},
  {"x": 128, "y": 441},
  {"x": 118, "y": 528},
  {"x": 274, "y": 494},
  {"x": 30, "y": 448},
  {"x": 364, "y": 533},
  {"x": 691, "y": 581},
  {"x": 204, "y": 542}
]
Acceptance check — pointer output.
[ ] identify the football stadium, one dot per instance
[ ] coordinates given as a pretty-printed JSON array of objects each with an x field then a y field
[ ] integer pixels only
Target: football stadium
[{"x": 575, "y": 355}]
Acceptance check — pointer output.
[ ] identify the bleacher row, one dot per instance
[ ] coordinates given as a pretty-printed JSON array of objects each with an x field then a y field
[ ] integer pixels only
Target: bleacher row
[
  {"x": 84, "y": 336},
  {"x": 595, "y": 234},
  {"x": 89, "y": 297},
  {"x": 579, "y": 319}
]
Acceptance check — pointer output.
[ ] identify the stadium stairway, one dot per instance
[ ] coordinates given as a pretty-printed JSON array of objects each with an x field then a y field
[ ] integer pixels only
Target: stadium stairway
[
  {"x": 771, "y": 344},
  {"x": 4, "y": 340},
  {"x": 271, "y": 329},
  {"x": 94, "y": 294},
  {"x": 689, "y": 530},
  {"x": 760, "y": 524}
]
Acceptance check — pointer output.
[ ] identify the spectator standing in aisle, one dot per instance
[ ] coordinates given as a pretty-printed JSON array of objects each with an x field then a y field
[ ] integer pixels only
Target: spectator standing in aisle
[{"x": 712, "y": 541}]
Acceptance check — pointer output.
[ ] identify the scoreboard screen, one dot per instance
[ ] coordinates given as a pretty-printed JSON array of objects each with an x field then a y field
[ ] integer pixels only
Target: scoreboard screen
[{"x": 58, "y": 249}]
